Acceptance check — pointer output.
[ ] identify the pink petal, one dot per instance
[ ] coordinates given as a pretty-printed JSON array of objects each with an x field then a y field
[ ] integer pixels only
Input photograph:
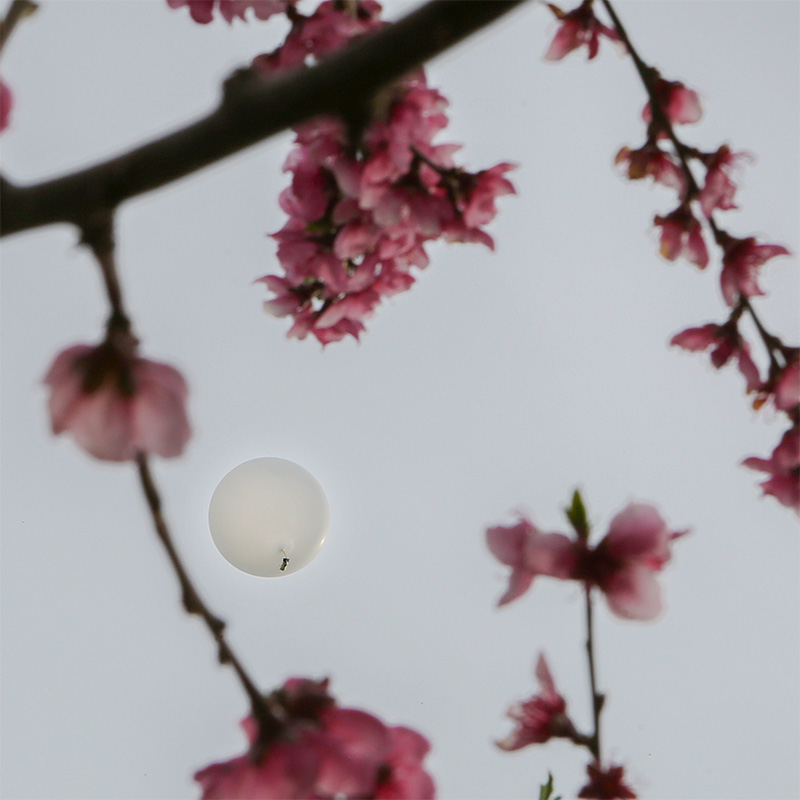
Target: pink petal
[
  {"x": 637, "y": 533},
  {"x": 551, "y": 554},
  {"x": 633, "y": 593},
  {"x": 507, "y": 543}
]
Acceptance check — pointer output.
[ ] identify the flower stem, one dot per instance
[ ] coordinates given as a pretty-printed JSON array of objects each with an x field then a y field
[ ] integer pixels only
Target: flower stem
[{"x": 597, "y": 698}]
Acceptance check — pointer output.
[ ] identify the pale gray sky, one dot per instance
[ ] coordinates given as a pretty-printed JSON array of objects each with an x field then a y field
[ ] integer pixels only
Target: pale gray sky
[{"x": 500, "y": 381}]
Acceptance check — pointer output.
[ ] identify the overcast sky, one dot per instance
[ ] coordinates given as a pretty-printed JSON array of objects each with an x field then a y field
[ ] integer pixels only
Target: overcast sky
[{"x": 500, "y": 381}]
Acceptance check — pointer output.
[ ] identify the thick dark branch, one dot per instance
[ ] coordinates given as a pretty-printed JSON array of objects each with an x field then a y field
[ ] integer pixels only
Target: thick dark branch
[{"x": 252, "y": 110}]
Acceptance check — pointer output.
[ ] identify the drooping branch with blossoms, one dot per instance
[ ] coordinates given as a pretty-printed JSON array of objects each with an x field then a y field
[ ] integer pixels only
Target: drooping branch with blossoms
[{"x": 369, "y": 189}]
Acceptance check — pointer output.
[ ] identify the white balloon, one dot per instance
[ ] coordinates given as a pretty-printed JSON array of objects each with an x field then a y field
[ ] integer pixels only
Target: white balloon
[{"x": 269, "y": 517}]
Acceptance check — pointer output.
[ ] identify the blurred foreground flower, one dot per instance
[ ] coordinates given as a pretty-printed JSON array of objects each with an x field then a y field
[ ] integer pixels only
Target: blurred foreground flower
[
  {"x": 116, "y": 404},
  {"x": 622, "y": 565},
  {"x": 6, "y": 103},
  {"x": 202, "y": 11},
  {"x": 322, "y": 751},
  {"x": 606, "y": 784}
]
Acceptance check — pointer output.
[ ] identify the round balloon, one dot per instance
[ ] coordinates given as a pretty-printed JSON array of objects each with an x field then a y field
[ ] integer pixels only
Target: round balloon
[{"x": 269, "y": 517}]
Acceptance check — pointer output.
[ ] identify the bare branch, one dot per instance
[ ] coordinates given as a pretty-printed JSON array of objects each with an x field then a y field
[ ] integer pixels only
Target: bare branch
[{"x": 250, "y": 111}]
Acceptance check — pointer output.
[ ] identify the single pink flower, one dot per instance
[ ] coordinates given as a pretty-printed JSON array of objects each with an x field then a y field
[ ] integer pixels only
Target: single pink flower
[
  {"x": 680, "y": 105},
  {"x": 606, "y": 784},
  {"x": 651, "y": 161},
  {"x": 578, "y": 27},
  {"x": 719, "y": 189},
  {"x": 682, "y": 236},
  {"x": 529, "y": 552},
  {"x": 202, "y": 11},
  {"x": 740, "y": 264},
  {"x": 541, "y": 717},
  {"x": 624, "y": 563},
  {"x": 116, "y": 404},
  {"x": 783, "y": 468},
  {"x": 725, "y": 343},
  {"x": 321, "y": 751},
  {"x": 6, "y": 104}
]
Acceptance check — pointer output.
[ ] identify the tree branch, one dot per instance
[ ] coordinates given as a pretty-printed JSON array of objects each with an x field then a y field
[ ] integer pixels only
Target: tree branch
[{"x": 250, "y": 111}]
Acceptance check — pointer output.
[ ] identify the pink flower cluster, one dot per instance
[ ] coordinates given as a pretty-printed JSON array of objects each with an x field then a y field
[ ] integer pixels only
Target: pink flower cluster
[
  {"x": 117, "y": 404},
  {"x": 622, "y": 565},
  {"x": 361, "y": 214},
  {"x": 322, "y": 751},
  {"x": 202, "y": 11}
]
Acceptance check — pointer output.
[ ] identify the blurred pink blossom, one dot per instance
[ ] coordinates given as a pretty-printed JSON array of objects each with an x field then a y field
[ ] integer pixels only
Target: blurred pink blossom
[
  {"x": 322, "y": 751},
  {"x": 680, "y": 105},
  {"x": 725, "y": 343},
  {"x": 651, "y": 161},
  {"x": 740, "y": 264},
  {"x": 787, "y": 386},
  {"x": 529, "y": 552},
  {"x": 718, "y": 189},
  {"x": 783, "y": 468},
  {"x": 202, "y": 11},
  {"x": 541, "y": 717},
  {"x": 116, "y": 404},
  {"x": 682, "y": 236},
  {"x": 578, "y": 27},
  {"x": 622, "y": 565},
  {"x": 606, "y": 784}
]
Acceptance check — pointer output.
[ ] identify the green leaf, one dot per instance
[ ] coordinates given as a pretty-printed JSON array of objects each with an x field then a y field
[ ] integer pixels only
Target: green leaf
[
  {"x": 546, "y": 789},
  {"x": 576, "y": 514}
]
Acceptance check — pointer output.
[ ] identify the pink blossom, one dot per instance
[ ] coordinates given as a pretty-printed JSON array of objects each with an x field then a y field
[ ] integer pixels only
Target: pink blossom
[
  {"x": 202, "y": 11},
  {"x": 578, "y": 27},
  {"x": 725, "y": 343},
  {"x": 740, "y": 264},
  {"x": 622, "y": 566},
  {"x": 529, "y": 552},
  {"x": 719, "y": 189},
  {"x": 651, "y": 161},
  {"x": 679, "y": 104},
  {"x": 606, "y": 784},
  {"x": 541, "y": 717},
  {"x": 359, "y": 218},
  {"x": 117, "y": 404},
  {"x": 783, "y": 468},
  {"x": 6, "y": 104},
  {"x": 320, "y": 751},
  {"x": 682, "y": 236}
]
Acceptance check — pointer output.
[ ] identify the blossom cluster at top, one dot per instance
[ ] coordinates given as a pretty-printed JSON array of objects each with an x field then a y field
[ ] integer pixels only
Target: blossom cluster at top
[
  {"x": 360, "y": 212},
  {"x": 321, "y": 751},
  {"x": 622, "y": 565}
]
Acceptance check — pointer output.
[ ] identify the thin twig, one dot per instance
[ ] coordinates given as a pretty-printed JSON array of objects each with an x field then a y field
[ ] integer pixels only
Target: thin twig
[
  {"x": 17, "y": 11},
  {"x": 251, "y": 110},
  {"x": 647, "y": 74},
  {"x": 597, "y": 698},
  {"x": 269, "y": 725}
]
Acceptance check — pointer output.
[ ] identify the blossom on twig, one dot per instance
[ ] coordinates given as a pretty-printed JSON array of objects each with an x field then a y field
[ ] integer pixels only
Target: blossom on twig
[
  {"x": 740, "y": 264},
  {"x": 682, "y": 236},
  {"x": 117, "y": 404},
  {"x": 622, "y": 565},
  {"x": 578, "y": 27},
  {"x": 541, "y": 717},
  {"x": 783, "y": 468},
  {"x": 322, "y": 751}
]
